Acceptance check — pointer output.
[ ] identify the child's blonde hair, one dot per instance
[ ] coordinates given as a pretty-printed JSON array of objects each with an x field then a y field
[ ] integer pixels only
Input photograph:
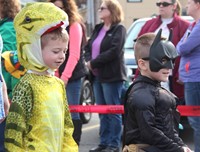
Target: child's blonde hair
[{"x": 58, "y": 33}]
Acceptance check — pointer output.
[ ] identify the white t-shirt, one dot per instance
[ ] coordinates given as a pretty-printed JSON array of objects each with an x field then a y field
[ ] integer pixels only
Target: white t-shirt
[{"x": 163, "y": 26}]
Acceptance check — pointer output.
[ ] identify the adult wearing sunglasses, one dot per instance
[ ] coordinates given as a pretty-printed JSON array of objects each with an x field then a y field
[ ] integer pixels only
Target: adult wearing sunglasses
[
  {"x": 168, "y": 18},
  {"x": 105, "y": 59},
  {"x": 189, "y": 50}
]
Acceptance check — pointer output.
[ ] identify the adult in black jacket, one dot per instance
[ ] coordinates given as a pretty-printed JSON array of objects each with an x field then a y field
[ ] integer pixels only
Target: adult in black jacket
[{"x": 105, "y": 59}]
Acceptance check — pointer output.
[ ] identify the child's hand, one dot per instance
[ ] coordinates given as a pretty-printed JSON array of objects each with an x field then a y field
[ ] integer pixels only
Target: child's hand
[
  {"x": 186, "y": 149},
  {"x": 89, "y": 65},
  {"x": 180, "y": 82},
  {"x": 6, "y": 106},
  {"x": 1, "y": 120},
  {"x": 65, "y": 82}
]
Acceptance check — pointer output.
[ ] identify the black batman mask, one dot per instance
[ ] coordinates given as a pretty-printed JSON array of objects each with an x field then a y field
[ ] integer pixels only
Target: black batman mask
[{"x": 162, "y": 53}]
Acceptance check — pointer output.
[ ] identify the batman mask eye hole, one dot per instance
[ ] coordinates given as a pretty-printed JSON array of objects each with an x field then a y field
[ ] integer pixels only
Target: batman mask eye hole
[
  {"x": 164, "y": 60},
  {"x": 27, "y": 19}
]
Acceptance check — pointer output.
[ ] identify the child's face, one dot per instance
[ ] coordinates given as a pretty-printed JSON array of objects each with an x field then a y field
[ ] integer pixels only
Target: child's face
[
  {"x": 54, "y": 53},
  {"x": 162, "y": 75}
]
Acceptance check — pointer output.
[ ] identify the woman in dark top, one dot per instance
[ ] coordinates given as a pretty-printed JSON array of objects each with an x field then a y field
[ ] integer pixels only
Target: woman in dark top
[{"x": 105, "y": 58}]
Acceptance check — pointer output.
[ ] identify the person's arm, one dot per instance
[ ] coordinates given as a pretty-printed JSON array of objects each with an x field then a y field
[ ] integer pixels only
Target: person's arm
[
  {"x": 75, "y": 40},
  {"x": 116, "y": 45},
  {"x": 16, "y": 122},
  {"x": 69, "y": 145},
  {"x": 189, "y": 41},
  {"x": 4, "y": 98}
]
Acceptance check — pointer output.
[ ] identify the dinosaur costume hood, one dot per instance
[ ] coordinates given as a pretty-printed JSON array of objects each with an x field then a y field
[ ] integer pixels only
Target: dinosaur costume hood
[{"x": 30, "y": 24}]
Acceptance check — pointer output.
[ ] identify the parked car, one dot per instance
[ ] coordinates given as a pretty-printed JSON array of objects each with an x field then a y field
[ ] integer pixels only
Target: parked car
[{"x": 130, "y": 62}]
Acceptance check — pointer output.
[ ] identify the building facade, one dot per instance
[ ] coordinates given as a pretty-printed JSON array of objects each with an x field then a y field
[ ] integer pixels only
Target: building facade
[{"x": 134, "y": 9}]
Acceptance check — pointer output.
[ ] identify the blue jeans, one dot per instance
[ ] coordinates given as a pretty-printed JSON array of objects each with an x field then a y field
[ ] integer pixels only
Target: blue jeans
[
  {"x": 192, "y": 97},
  {"x": 2, "y": 129},
  {"x": 73, "y": 91},
  {"x": 110, "y": 124}
]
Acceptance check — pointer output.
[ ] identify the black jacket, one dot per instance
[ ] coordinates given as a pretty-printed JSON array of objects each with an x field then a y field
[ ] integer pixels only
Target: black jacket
[
  {"x": 151, "y": 116},
  {"x": 110, "y": 61}
]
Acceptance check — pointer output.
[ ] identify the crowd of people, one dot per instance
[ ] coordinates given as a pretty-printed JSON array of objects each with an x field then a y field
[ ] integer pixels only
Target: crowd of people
[{"x": 46, "y": 55}]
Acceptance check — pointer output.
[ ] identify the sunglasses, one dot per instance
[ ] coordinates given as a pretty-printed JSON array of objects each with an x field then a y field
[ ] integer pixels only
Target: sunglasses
[
  {"x": 164, "y": 4},
  {"x": 102, "y": 8}
]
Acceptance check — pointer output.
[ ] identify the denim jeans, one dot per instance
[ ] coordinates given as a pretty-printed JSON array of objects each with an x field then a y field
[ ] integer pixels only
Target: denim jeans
[
  {"x": 73, "y": 90},
  {"x": 110, "y": 124},
  {"x": 2, "y": 129},
  {"x": 192, "y": 97}
]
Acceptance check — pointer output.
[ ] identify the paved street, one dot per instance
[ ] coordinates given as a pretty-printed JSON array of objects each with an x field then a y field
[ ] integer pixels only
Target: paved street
[{"x": 90, "y": 137}]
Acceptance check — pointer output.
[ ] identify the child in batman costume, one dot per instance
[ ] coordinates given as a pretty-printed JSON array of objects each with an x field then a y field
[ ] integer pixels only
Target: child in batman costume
[{"x": 151, "y": 117}]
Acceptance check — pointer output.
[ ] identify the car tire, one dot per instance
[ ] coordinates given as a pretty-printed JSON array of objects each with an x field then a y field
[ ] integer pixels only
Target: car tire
[{"x": 87, "y": 98}]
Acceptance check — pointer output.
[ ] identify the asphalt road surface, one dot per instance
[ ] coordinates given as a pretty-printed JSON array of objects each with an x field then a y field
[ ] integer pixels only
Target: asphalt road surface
[{"x": 90, "y": 135}]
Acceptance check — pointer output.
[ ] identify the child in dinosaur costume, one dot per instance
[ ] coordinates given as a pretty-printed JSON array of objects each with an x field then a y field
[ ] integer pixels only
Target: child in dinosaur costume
[{"x": 39, "y": 119}]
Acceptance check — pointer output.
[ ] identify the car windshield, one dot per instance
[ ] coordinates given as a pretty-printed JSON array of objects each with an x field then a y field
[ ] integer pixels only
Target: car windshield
[{"x": 132, "y": 34}]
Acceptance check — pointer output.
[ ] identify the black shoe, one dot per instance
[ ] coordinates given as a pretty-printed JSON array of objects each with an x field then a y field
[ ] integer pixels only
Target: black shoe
[
  {"x": 110, "y": 149},
  {"x": 97, "y": 149}
]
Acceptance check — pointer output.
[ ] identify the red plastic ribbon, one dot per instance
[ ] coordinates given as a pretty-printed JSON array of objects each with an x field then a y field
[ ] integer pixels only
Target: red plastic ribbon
[
  {"x": 103, "y": 109},
  {"x": 119, "y": 109},
  {"x": 189, "y": 110}
]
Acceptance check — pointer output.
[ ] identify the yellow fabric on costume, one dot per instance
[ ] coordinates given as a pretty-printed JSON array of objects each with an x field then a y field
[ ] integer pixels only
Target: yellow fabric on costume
[{"x": 38, "y": 120}]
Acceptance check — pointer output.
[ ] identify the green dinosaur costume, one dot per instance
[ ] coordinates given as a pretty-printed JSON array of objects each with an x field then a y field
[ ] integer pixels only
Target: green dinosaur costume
[{"x": 39, "y": 118}]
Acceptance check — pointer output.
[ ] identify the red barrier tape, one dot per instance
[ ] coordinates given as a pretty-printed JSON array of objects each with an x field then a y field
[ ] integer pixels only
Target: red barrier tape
[
  {"x": 103, "y": 109},
  {"x": 114, "y": 109},
  {"x": 189, "y": 110}
]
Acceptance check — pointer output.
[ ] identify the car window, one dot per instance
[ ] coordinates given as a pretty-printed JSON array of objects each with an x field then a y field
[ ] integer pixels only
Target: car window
[{"x": 132, "y": 34}]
